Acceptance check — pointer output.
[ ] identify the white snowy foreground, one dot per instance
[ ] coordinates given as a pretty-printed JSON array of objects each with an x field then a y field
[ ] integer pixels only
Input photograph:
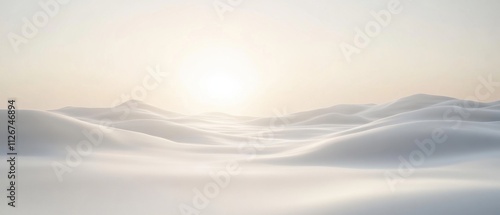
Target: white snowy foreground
[{"x": 421, "y": 155}]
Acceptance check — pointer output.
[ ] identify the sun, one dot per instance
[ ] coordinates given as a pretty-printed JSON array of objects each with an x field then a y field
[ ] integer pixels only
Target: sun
[
  {"x": 217, "y": 77},
  {"x": 221, "y": 88}
]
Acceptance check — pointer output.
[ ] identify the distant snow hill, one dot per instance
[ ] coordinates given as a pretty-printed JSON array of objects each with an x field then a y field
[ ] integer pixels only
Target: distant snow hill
[{"x": 421, "y": 154}]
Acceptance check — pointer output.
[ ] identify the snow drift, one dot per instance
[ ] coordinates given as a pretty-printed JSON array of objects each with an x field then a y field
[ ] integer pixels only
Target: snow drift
[{"x": 421, "y": 154}]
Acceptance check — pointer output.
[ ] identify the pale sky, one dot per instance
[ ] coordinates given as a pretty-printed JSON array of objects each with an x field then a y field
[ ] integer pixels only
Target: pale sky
[{"x": 262, "y": 55}]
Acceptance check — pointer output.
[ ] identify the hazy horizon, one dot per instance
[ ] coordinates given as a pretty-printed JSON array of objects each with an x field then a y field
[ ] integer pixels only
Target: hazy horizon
[{"x": 460, "y": 102}]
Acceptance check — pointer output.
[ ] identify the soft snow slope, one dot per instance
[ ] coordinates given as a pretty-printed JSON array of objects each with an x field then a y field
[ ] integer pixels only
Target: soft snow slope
[{"x": 345, "y": 159}]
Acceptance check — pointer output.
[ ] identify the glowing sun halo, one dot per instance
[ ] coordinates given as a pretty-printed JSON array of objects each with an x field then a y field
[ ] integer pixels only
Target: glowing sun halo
[
  {"x": 221, "y": 87},
  {"x": 217, "y": 76}
]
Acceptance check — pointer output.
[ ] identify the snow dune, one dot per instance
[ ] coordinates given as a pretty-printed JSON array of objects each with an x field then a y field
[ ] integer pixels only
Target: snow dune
[{"x": 421, "y": 154}]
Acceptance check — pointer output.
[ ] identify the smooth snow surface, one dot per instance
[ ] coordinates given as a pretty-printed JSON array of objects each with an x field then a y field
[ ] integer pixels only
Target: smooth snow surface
[{"x": 345, "y": 160}]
